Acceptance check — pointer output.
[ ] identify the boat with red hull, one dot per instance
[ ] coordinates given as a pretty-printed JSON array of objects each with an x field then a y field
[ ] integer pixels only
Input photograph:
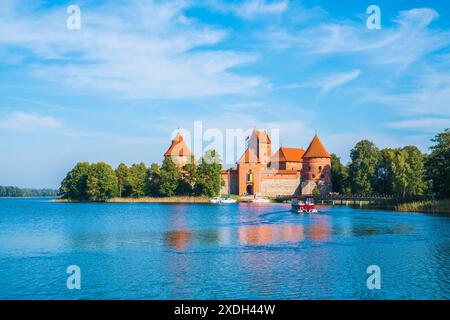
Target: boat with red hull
[{"x": 299, "y": 206}]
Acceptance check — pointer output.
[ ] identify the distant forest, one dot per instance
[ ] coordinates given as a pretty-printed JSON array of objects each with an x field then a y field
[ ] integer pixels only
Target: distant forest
[{"x": 10, "y": 191}]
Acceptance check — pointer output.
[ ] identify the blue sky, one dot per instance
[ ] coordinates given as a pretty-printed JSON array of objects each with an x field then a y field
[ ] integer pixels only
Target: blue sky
[{"x": 115, "y": 90}]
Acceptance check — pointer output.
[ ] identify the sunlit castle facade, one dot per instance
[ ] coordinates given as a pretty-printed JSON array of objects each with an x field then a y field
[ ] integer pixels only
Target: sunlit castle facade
[
  {"x": 286, "y": 172},
  {"x": 259, "y": 172}
]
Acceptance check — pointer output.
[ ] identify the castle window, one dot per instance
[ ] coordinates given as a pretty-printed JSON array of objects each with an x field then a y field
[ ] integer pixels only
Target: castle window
[
  {"x": 320, "y": 168},
  {"x": 314, "y": 176}
]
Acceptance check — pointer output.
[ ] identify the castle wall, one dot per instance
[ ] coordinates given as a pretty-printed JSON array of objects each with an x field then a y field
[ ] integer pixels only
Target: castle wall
[
  {"x": 234, "y": 182},
  {"x": 286, "y": 165},
  {"x": 295, "y": 166},
  {"x": 280, "y": 183}
]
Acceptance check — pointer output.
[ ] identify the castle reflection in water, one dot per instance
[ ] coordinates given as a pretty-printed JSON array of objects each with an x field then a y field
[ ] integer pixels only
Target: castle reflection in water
[{"x": 249, "y": 235}]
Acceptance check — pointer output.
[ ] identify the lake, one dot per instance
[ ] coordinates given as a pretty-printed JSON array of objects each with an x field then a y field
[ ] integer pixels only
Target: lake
[{"x": 203, "y": 251}]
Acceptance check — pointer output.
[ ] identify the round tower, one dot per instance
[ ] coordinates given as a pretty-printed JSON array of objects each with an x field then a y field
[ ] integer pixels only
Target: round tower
[{"x": 316, "y": 171}]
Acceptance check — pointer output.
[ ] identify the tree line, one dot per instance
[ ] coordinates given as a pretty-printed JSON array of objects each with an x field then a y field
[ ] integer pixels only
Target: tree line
[
  {"x": 11, "y": 191},
  {"x": 402, "y": 172},
  {"x": 99, "y": 181}
]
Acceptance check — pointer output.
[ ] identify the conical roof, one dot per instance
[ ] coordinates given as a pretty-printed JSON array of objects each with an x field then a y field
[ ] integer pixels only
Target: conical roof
[
  {"x": 316, "y": 149},
  {"x": 178, "y": 147}
]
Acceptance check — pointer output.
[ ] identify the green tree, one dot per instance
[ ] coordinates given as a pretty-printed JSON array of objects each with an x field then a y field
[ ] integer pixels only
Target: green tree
[
  {"x": 154, "y": 180},
  {"x": 187, "y": 183},
  {"x": 417, "y": 181},
  {"x": 385, "y": 182},
  {"x": 170, "y": 177},
  {"x": 364, "y": 162},
  {"x": 122, "y": 175},
  {"x": 316, "y": 191},
  {"x": 74, "y": 185},
  {"x": 400, "y": 170},
  {"x": 137, "y": 181},
  {"x": 208, "y": 180},
  {"x": 339, "y": 175},
  {"x": 101, "y": 182},
  {"x": 438, "y": 164}
]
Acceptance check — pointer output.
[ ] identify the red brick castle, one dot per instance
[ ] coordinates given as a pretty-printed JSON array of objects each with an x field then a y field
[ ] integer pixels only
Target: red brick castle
[{"x": 288, "y": 171}]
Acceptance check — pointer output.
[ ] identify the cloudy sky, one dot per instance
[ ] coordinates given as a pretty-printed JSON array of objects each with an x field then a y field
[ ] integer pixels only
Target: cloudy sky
[{"x": 116, "y": 89}]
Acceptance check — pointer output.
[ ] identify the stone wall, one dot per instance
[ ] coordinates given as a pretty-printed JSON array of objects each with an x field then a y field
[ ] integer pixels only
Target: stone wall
[
  {"x": 234, "y": 182},
  {"x": 280, "y": 184}
]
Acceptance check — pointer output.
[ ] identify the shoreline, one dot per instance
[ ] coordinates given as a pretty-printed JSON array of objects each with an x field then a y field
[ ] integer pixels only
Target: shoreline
[
  {"x": 427, "y": 207},
  {"x": 141, "y": 200},
  {"x": 441, "y": 206}
]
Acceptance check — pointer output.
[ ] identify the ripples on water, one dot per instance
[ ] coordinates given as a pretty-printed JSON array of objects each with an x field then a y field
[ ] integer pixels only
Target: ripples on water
[{"x": 196, "y": 251}]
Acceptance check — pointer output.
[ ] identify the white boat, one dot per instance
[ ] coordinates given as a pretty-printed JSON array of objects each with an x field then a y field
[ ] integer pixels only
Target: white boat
[
  {"x": 228, "y": 200},
  {"x": 215, "y": 200},
  {"x": 261, "y": 200},
  {"x": 222, "y": 200}
]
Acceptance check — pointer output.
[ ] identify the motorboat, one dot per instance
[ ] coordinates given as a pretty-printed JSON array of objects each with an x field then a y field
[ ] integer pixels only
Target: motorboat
[
  {"x": 261, "y": 200},
  {"x": 222, "y": 200},
  {"x": 300, "y": 206},
  {"x": 227, "y": 200},
  {"x": 215, "y": 200}
]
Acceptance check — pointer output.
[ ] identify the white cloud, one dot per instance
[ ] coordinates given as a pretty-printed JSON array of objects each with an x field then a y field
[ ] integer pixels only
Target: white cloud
[
  {"x": 251, "y": 9},
  {"x": 254, "y": 8},
  {"x": 407, "y": 41},
  {"x": 333, "y": 81},
  {"x": 150, "y": 50},
  {"x": 425, "y": 124},
  {"x": 426, "y": 95},
  {"x": 21, "y": 121},
  {"x": 327, "y": 83}
]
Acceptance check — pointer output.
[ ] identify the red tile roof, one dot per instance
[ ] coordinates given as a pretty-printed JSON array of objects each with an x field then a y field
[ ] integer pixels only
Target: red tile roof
[
  {"x": 178, "y": 147},
  {"x": 316, "y": 149},
  {"x": 285, "y": 154}
]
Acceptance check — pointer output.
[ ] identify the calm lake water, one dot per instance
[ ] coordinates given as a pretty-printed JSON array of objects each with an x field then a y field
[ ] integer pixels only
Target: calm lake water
[{"x": 201, "y": 251}]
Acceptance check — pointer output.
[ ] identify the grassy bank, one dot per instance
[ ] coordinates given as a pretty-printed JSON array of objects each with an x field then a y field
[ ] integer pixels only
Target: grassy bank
[
  {"x": 160, "y": 200},
  {"x": 426, "y": 206},
  {"x": 147, "y": 200}
]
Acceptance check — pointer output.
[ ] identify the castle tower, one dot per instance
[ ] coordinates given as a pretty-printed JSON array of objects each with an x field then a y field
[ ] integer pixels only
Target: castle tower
[
  {"x": 179, "y": 151},
  {"x": 316, "y": 171},
  {"x": 259, "y": 142},
  {"x": 249, "y": 173}
]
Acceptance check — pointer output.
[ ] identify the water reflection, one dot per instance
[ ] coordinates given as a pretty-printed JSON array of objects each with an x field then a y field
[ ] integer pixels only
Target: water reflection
[
  {"x": 270, "y": 234},
  {"x": 248, "y": 235},
  {"x": 178, "y": 240}
]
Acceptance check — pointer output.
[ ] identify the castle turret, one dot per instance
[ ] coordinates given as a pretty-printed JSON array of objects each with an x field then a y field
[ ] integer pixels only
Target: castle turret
[
  {"x": 179, "y": 151},
  {"x": 316, "y": 171}
]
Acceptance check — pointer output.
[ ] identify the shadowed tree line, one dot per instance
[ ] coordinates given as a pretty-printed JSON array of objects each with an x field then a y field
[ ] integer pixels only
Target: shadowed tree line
[
  {"x": 403, "y": 172},
  {"x": 99, "y": 181},
  {"x": 10, "y": 191}
]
